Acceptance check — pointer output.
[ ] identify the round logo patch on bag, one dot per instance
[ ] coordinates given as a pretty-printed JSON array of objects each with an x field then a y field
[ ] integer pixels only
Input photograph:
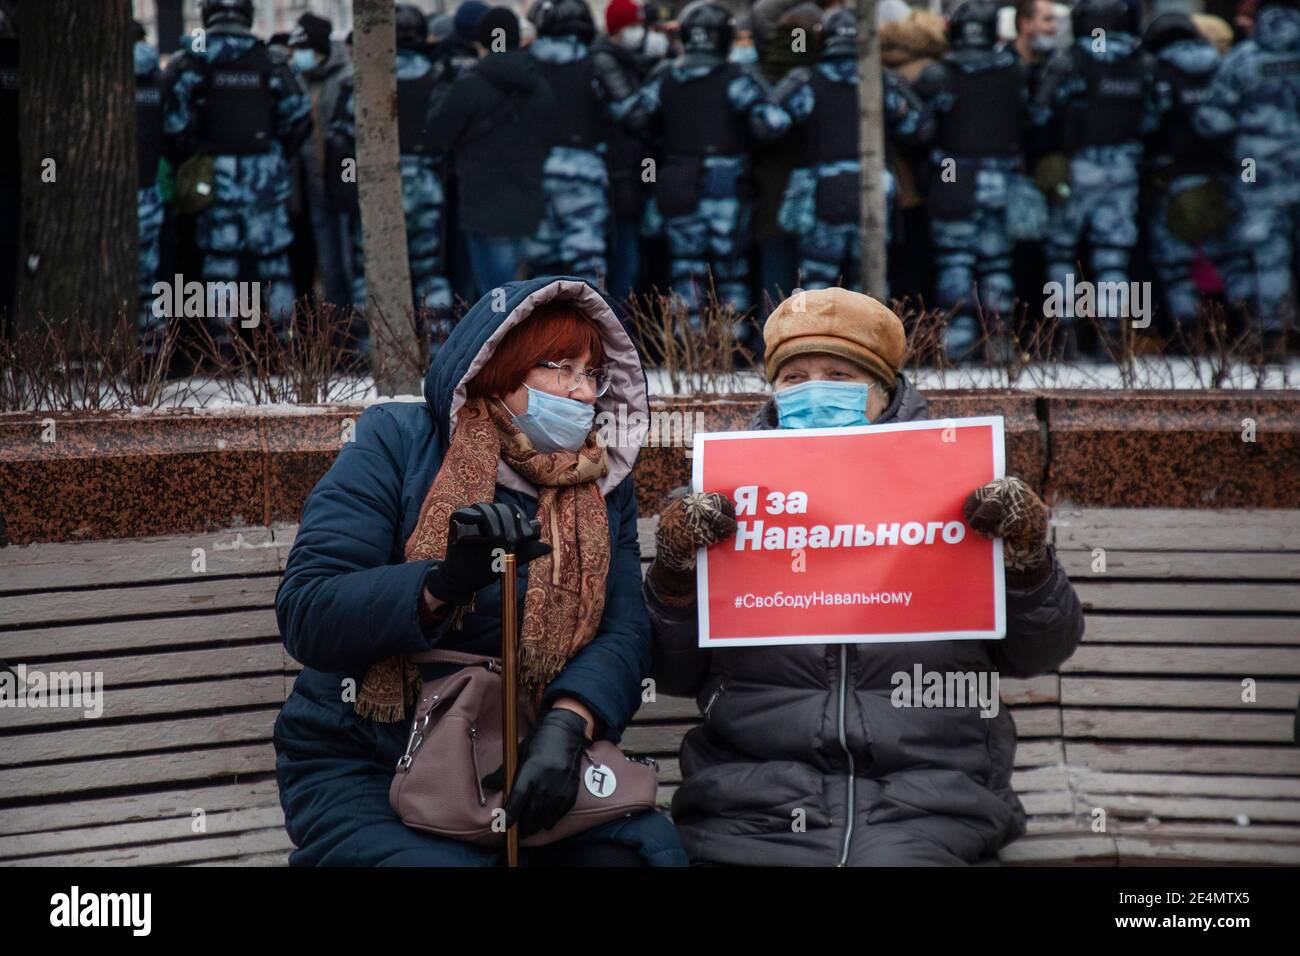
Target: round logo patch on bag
[{"x": 600, "y": 781}]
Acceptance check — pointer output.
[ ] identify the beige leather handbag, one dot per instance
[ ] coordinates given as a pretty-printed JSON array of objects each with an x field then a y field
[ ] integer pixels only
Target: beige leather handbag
[{"x": 456, "y": 740}]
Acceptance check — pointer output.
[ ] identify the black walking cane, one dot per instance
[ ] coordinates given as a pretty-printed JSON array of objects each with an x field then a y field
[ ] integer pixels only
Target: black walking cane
[{"x": 465, "y": 533}]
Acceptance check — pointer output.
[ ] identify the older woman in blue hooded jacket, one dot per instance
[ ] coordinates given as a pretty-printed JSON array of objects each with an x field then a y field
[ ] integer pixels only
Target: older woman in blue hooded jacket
[
  {"x": 506, "y": 429},
  {"x": 802, "y": 757}
]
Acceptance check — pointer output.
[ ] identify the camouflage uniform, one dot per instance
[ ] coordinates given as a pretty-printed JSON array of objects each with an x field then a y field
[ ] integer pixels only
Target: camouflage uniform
[
  {"x": 980, "y": 203},
  {"x": 148, "y": 196},
  {"x": 1254, "y": 98},
  {"x": 830, "y": 252},
  {"x": 1178, "y": 160},
  {"x": 571, "y": 238},
  {"x": 244, "y": 233},
  {"x": 1101, "y": 134},
  {"x": 423, "y": 200},
  {"x": 712, "y": 240}
]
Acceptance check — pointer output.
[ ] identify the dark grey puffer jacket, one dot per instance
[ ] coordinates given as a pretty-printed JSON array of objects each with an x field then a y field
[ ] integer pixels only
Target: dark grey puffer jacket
[{"x": 812, "y": 728}]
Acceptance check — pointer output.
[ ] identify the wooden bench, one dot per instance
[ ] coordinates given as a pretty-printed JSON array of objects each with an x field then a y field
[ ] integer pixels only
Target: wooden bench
[{"x": 1145, "y": 722}]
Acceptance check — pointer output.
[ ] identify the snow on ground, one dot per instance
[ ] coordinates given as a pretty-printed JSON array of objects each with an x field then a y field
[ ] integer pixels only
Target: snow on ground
[
  {"x": 212, "y": 396},
  {"x": 1150, "y": 373}
]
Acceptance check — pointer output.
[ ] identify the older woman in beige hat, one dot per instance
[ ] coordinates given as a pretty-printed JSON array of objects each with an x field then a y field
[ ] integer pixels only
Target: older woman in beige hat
[{"x": 808, "y": 734}]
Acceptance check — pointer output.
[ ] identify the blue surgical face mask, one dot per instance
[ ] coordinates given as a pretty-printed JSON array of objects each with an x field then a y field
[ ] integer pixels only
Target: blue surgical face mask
[
  {"x": 743, "y": 54},
  {"x": 553, "y": 423},
  {"x": 822, "y": 404},
  {"x": 304, "y": 60}
]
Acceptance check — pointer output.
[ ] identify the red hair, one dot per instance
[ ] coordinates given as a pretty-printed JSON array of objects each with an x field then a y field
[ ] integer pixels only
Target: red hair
[{"x": 553, "y": 332}]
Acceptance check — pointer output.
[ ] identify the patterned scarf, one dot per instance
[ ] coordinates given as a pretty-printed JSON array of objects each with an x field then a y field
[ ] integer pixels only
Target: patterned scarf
[{"x": 565, "y": 597}]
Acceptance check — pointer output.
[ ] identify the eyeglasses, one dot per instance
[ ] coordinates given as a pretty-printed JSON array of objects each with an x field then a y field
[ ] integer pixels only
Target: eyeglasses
[{"x": 568, "y": 378}]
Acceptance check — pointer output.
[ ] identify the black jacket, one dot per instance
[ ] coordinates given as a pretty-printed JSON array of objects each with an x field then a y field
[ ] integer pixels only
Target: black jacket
[
  {"x": 925, "y": 786},
  {"x": 496, "y": 121}
]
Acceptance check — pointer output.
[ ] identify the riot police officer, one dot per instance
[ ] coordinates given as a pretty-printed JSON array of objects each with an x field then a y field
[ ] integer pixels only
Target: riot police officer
[
  {"x": 423, "y": 201},
  {"x": 976, "y": 201},
  {"x": 1183, "y": 171},
  {"x": 1096, "y": 101},
  {"x": 238, "y": 113},
  {"x": 591, "y": 89},
  {"x": 709, "y": 110},
  {"x": 1255, "y": 100},
  {"x": 821, "y": 205}
]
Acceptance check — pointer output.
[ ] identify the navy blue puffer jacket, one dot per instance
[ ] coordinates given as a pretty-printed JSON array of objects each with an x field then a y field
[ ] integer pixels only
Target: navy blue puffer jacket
[{"x": 349, "y": 599}]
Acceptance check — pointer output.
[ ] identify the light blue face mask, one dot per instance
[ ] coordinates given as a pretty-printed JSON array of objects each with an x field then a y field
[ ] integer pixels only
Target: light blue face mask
[
  {"x": 822, "y": 404},
  {"x": 304, "y": 59},
  {"x": 554, "y": 423},
  {"x": 743, "y": 54}
]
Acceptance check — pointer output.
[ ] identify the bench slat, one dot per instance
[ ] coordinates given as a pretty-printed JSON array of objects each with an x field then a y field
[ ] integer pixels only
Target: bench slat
[
  {"x": 138, "y": 806},
  {"x": 1177, "y": 529},
  {"x": 1208, "y": 758},
  {"x": 143, "y": 831},
  {"x": 1177, "y": 692},
  {"x": 48, "y": 780},
  {"x": 203, "y": 594},
  {"x": 1056, "y": 850},
  {"x": 162, "y": 854},
  {"x": 79, "y": 564},
  {"x": 1257, "y": 662},
  {"x": 170, "y": 699},
  {"x": 1190, "y": 629},
  {"x": 1204, "y": 852},
  {"x": 1096, "y": 781},
  {"x": 90, "y": 740},
  {"x": 40, "y": 643},
  {"x": 1178, "y": 725},
  {"x": 167, "y": 666},
  {"x": 1279, "y": 565},
  {"x": 1191, "y": 596},
  {"x": 1198, "y": 808}
]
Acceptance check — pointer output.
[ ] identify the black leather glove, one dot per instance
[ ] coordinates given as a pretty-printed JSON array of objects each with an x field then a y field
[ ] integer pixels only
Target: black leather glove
[
  {"x": 475, "y": 536},
  {"x": 550, "y": 763}
]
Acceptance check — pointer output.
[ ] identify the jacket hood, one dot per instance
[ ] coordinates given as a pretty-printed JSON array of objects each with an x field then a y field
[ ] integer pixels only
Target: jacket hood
[
  {"x": 920, "y": 36},
  {"x": 906, "y": 405},
  {"x": 1277, "y": 28},
  {"x": 475, "y": 338},
  {"x": 514, "y": 69}
]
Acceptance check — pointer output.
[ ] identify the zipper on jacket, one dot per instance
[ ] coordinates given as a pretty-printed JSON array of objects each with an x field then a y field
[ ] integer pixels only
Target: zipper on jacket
[
  {"x": 844, "y": 745},
  {"x": 473, "y": 756},
  {"x": 717, "y": 692}
]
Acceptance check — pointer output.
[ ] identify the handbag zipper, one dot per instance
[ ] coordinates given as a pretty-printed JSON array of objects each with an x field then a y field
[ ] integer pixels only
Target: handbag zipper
[{"x": 473, "y": 756}]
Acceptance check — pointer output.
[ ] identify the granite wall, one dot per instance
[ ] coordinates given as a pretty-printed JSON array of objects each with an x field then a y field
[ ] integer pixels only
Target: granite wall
[{"x": 84, "y": 475}]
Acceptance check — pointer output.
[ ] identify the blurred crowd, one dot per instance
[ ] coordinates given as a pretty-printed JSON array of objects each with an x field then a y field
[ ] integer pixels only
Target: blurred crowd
[{"x": 1029, "y": 151}]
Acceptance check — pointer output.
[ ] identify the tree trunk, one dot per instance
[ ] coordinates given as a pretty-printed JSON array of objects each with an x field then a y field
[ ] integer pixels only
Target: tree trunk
[
  {"x": 77, "y": 128},
  {"x": 871, "y": 145},
  {"x": 395, "y": 349}
]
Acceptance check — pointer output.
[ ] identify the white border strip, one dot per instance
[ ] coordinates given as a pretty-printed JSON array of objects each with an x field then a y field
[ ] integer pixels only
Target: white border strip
[{"x": 999, "y": 572}]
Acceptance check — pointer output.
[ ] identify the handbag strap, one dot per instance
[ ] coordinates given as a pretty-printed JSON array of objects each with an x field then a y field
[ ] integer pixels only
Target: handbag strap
[{"x": 439, "y": 656}]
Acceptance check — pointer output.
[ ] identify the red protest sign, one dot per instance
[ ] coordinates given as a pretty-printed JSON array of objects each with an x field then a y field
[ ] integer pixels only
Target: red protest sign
[{"x": 851, "y": 535}]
